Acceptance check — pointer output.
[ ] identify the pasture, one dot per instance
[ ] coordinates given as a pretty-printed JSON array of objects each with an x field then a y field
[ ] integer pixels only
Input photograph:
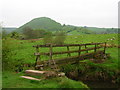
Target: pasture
[{"x": 19, "y": 56}]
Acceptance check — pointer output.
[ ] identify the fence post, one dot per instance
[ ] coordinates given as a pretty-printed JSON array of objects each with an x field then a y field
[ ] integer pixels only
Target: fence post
[
  {"x": 104, "y": 47},
  {"x": 86, "y": 48},
  {"x": 95, "y": 48},
  {"x": 68, "y": 51},
  {"x": 50, "y": 53},
  {"x": 79, "y": 50},
  {"x": 37, "y": 57}
]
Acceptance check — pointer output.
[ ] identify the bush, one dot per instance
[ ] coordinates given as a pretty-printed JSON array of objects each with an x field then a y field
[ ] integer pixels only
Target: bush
[
  {"x": 8, "y": 46},
  {"x": 14, "y": 35},
  {"x": 33, "y": 34},
  {"x": 48, "y": 38},
  {"x": 59, "y": 37}
]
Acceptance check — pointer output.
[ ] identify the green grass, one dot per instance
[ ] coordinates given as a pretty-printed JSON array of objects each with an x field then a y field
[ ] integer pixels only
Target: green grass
[
  {"x": 109, "y": 64},
  {"x": 21, "y": 52},
  {"x": 25, "y": 50},
  {"x": 92, "y": 38},
  {"x": 13, "y": 80}
]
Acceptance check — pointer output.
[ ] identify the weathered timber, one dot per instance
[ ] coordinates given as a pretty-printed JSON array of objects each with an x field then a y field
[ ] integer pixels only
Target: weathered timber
[
  {"x": 45, "y": 74},
  {"x": 95, "y": 48},
  {"x": 54, "y": 53},
  {"x": 31, "y": 78},
  {"x": 54, "y": 45},
  {"x": 86, "y": 48},
  {"x": 68, "y": 51},
  {"x": 79, "y": 50},
  {"x": 38, "y": 56},
  {"x": 50, "y": 54},
  {"x": 104, "y": 47},
  {"x": 73, "y": 59},
  {"x": 35, "y": 71}
]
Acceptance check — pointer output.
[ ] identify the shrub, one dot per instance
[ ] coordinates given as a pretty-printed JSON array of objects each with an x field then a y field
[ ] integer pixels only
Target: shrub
[
  {"x": 8, "y": 45},
  {"x": 48, "y": 38},
  {"x": 59, "y": 37}
]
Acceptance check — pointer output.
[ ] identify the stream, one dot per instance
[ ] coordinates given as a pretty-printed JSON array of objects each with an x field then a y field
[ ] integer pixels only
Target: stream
[
  {"x": 100, "y": 84},
  {"x": 93, "y": 84}
]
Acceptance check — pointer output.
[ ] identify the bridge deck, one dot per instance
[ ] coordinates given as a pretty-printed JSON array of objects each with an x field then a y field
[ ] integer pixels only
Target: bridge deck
[{"x": 73, "y": 59}]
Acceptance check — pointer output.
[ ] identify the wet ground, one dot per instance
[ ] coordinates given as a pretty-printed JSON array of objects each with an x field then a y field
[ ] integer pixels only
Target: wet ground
[{"x": 101, "y": 84}]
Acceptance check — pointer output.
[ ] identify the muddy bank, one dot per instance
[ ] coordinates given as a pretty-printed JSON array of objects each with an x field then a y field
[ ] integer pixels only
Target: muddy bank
[
  {"x": 93, "y": 75},
  {"x": 100, "y": 84},
  {"x": 94, "y": 81}
]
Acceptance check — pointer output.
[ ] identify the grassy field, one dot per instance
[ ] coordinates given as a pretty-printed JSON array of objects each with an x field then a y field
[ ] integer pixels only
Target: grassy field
[
  {"x": 20, "y": 52},
  {"x": 16, "y": 82}
]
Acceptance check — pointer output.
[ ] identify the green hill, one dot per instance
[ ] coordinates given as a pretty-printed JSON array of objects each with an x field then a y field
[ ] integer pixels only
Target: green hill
[
  {"x": 42, "y": 23},
  {"x": 48, "y": 24}
]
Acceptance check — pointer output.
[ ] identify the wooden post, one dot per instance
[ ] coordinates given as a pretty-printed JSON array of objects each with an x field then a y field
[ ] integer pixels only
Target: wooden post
[
  {"x": 104, "y": 47},
  {"x": 95, "y": 48},
  {"x": 37, "y": 57},
  {"x": 79, "y": 50},
  {"x": 50, "y": 53},
  {"x": 86, "y": 48},
  {"x": 68, "y": 51}
]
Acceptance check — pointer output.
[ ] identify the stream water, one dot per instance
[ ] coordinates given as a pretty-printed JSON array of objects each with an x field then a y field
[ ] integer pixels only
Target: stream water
[
  {"x": 101, "y": 84},
  {"x": 97, "y": 83}
]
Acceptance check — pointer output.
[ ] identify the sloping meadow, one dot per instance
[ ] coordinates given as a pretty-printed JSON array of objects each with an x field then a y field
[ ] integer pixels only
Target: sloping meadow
[{"x": 18, "y": 55}]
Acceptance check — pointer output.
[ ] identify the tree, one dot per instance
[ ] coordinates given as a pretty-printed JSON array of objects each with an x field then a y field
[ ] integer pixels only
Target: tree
[
  {"x": 64, "y": 25},
  {"x": 33, "y": 34},
  {"x": 60, "y": 37},
  {"x": 39, "y": 33},
  {"x": 28, "y": 32},
  {"x": 14, "y": 35},
  {"x": 48, "y": 38}
]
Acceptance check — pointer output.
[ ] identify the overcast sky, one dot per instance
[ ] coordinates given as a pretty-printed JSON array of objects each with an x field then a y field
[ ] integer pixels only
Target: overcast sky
[{"x": 93, "y": 13}]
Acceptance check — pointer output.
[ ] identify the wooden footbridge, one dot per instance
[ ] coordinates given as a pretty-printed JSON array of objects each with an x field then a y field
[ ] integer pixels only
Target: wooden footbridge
[
  {"x": 84, "y": 51},
  {"x": 91, "y": 50}
]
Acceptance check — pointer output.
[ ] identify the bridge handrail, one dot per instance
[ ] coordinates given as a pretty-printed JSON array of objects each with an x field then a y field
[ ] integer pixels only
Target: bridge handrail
[
  {"x": 64, "y": 52},
  {"x": 64, "y": 45},
  {"x": 51, "y": 53}
]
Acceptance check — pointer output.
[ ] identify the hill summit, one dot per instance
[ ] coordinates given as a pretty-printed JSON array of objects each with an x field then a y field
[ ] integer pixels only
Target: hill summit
[
  {"x": 42, "y": 23},
  {"x": 48, "y": 24}
]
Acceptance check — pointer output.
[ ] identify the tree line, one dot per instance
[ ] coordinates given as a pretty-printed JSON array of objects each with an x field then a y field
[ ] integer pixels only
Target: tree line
[{"x": 57, "y": 37}]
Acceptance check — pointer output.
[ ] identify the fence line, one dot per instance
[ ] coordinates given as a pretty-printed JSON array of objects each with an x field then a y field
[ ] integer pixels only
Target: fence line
[{"x": 68, "y": 52}]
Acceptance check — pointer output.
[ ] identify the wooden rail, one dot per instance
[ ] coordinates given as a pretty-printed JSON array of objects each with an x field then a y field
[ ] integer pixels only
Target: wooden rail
[
  {"x": 68, "y": 52},
  {"x": 64, "y": 45},
  {"x": 64, "y": 52},
  {"x": 71, "y": 60}
]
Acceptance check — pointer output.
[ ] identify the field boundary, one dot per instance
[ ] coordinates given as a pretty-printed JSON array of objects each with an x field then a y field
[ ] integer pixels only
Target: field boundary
[{"x": 69, "y": 59}]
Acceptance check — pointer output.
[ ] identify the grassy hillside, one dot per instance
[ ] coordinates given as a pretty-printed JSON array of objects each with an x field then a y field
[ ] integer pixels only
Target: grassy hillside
[
  {"x": 74, "y": 30},
  {"x": 48, "y": 24},
  {"x": 51, "y": 25},
  {"x": 42, "y": 23},
  {"x": 102, "y": 30}
]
